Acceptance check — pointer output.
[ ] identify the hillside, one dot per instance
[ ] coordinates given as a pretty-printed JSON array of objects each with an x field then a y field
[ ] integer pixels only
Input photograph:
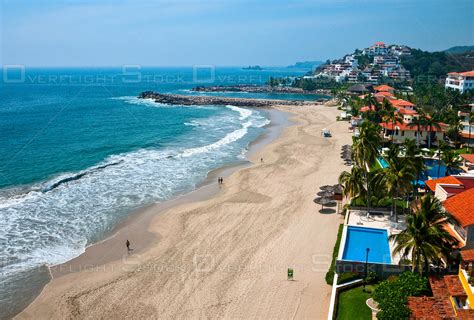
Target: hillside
[
  {"x": 436, "y": 64},
  {"x": 459, "y": 49},
  {"x": 306, "y": 64}
]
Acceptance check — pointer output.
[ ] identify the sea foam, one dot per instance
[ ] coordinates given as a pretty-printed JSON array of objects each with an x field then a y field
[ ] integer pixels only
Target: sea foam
[{"x": 55, "y": 220}]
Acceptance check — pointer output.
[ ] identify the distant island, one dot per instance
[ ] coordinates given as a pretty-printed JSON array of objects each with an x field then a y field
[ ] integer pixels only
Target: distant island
[
  {"x": 306, "y": 64},
  {"x": 256, "y": 67}
]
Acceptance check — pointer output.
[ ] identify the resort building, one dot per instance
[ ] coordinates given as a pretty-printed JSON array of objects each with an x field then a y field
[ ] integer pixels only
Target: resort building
[
  {"x": 379, "y": 48},
  {"x": 468, "y": 162},
  {"x": 461, "y": 207},
  {"x": 452, "y": 298},
  {"x": 453, "y": 295},
  {"x": 457, "y": 196},
  {"x": 404, "y": 130},
  {"x": 467, "y": 132},
  {"x": 461, "y": 81}
]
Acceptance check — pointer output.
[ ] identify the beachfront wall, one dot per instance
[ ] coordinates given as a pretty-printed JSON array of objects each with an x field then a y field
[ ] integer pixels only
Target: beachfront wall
[{"x": 383, "y": 271}]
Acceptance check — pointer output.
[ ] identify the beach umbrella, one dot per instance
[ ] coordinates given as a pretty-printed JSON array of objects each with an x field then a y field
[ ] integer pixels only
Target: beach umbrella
[
  {"x": 326, "y": 194},
  {"x": 338, "y": 188},
  {"x": 327, "y": 188},
  {"x": 322, "y": 201}
]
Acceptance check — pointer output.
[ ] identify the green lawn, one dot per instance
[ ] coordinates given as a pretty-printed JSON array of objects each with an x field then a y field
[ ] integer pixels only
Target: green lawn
[
  {"x": 351, "y": 305},
  {"x": 464, "y": 150}
]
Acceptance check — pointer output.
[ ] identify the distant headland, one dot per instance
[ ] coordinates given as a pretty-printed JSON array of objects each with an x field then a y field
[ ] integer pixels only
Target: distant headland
[{"x": 255, "y": 67}]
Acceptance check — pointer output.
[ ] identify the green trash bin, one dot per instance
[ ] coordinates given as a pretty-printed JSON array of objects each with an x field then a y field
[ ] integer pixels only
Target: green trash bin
[{"x": 290, "y": 274}]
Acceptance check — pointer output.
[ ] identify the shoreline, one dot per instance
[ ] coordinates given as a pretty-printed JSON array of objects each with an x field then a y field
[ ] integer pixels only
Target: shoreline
[
  {"x": 135, "y": 224},
  {"x": 167, "y": 226},
  {"x": 138, "y": 220}
]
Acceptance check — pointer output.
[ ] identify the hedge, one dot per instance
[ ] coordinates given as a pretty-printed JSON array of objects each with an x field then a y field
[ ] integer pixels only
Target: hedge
[{"x": 332, "y": 267}]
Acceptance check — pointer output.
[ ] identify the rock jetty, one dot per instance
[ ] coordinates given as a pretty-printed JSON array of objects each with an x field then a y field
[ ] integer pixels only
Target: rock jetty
[
  {"x": 177, "y": 99},
  {"x": 257, "y": 89}
]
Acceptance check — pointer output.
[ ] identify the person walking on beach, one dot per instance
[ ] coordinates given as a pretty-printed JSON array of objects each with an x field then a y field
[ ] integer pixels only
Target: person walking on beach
[
  {"x": 127, "y": 243},
  {"x": 261, "y": 160}
]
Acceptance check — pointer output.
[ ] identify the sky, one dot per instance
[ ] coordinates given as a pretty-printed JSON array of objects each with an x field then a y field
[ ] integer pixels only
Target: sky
[{"x": 221, "y": 32}]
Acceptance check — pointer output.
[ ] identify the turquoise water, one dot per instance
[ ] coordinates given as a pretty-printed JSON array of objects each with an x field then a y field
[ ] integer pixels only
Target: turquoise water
[
  {"x": 360, "y": 238},
  {"x": 383, "y": 163},
  {"x": 79, "y": 152},
  {"x": 431, "y": 170}
]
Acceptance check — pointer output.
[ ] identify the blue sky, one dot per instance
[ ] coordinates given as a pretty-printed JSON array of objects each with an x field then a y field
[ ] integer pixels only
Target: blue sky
[{"x": 221, "y": 32}]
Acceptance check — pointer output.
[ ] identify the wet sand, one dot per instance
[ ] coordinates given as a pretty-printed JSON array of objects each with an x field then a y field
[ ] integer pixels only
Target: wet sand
[{"x": 220, "y": 254}]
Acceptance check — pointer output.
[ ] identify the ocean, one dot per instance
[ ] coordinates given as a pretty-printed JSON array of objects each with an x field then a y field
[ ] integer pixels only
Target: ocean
[{"x": 79, "y": 152}]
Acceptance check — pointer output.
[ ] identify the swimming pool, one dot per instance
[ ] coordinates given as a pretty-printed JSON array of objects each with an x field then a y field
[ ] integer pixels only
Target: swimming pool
[
  {"x": 431, "y": 170},
  {"x": 383, "y": 163},
  {"x": 358, "y": 239}
]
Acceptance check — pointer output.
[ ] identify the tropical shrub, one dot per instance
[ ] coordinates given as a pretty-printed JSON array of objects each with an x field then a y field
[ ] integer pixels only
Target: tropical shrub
[{"x": 392, "y": 295}]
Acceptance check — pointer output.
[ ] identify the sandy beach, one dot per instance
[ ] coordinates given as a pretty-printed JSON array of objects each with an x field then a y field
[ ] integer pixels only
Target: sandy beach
[{"x": 226, "y": 255}]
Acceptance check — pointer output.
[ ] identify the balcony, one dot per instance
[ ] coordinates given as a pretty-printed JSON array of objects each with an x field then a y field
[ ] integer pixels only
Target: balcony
[{"x": 466, "y": 275}]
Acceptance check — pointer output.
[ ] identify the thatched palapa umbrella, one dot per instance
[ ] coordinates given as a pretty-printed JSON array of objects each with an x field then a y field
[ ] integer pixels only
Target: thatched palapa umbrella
[
  {"x": 327, "y": 188},
  {"x": 326, "y": 194},
  {"x": 323, "y": 201}
]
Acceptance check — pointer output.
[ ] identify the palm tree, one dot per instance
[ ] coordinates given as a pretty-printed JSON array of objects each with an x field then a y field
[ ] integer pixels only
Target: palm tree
[
  {"x": 390, "y": 114},
  {"x": 355, "y": 104},
  {"x": 414, "y": 159},
  {"x": 425, "y": 239},
  {"x": 370, "y": 101},
  {"x": 431, "y": 123},
  {"x": 353, "y": 182},
  {"x": 365, "y": 150},
  {"x": 418, "y": 122},
  {"x": 452, "y": 161},
  {"x": 454, "y": 130},
  {"x": 397, "y": 177}
]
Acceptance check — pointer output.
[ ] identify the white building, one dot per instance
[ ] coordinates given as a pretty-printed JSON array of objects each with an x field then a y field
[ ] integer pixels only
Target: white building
[
  {"x": 378, "y": 49},
  {"x": 460, "y": 81}
]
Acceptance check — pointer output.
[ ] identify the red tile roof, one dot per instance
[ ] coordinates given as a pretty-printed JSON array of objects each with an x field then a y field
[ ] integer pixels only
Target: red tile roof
[
  {"x": 401, "y": 103},
  {"x": 384, "y": 94},
  {"x": 461, "y": 206},
  {"x": 383, "y": 87},
  {"x": 367, "y": 108},
  {"x": 467, "y": 255},
  {"x": 430, "y": 308},
  {"x": 468, "y": 157},
  {"x": 448, "y": 180},
  {"x": 439, "y": 305},
  {"x": 454, "y": 286},
  {"x": 406, "y": 127},
  {"x": 407, "y": 111},
  {"x": 465, "y": 74}
]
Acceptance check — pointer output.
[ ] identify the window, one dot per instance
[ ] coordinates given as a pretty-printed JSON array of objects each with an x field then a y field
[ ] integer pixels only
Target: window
[
  {"x": 461, "y": 302},
  {"x": 461, "y": 231}
]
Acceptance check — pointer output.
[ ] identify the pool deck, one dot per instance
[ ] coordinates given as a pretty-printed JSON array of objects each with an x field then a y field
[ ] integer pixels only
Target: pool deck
[{"x": 359, "y": 218}]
